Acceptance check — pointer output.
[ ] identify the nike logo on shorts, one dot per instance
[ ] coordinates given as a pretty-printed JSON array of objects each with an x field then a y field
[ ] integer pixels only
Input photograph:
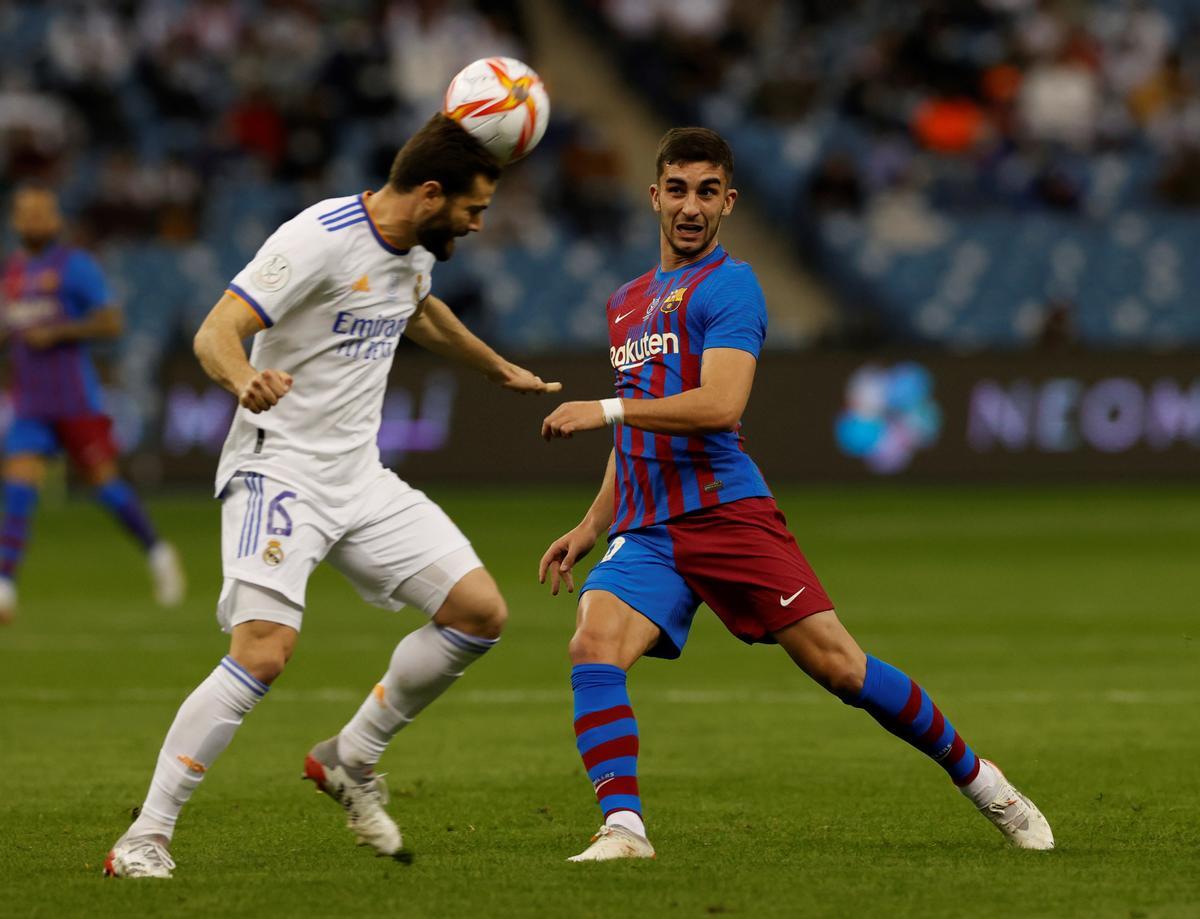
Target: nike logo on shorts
[{"x": 788, "y": 601}]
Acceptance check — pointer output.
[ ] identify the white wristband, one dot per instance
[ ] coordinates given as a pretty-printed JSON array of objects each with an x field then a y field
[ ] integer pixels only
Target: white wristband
[{"x": 614, "y": 410}]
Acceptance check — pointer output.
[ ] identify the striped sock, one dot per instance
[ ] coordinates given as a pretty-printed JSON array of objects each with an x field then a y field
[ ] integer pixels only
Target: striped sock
[
  {"x": 606, "y": 734},
  {"x": 122, "y": 501},
  {"x": 19, "y": 501},
  {"x": 899, "y": 703}
]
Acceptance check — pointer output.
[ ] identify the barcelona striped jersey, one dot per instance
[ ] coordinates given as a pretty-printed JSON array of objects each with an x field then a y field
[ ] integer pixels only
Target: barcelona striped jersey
[
  {"x": 659, "y": 327},
  {"x": 58, "y": 284}
]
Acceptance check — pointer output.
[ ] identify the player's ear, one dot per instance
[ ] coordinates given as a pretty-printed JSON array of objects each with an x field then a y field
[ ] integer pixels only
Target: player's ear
[
  {"x": 654, "y": 198},
  {"x": 431, "y": 192},
  {"x": 730, "y": 196}
]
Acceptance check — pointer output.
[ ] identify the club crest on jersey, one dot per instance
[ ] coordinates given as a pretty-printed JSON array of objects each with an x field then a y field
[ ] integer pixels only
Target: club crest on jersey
[
  {"x": 674, "y": 300},
  {"x": 273, "y": 553},
  {"x": 273, "y": 273}
]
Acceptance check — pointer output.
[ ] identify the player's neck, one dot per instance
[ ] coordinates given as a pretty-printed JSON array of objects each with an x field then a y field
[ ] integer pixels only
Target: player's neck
[
  {"x": 669, "y": 260},
  {"x": 391, "y": 213}
]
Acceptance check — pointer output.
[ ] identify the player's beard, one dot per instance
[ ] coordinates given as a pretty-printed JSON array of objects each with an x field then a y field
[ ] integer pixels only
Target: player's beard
[{"x": 437, "y": 235}]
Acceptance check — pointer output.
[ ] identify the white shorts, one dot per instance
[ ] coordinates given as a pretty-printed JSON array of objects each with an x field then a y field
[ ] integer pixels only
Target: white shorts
[{"x": 393, "y": 544}]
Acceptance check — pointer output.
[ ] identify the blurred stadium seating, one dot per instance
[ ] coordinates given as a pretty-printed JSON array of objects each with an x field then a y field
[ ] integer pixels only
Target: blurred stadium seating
[
  {"x": 974, "y": 174},
  {"x": 978, "y": 173},
  {"x": 182, "y": 133}
]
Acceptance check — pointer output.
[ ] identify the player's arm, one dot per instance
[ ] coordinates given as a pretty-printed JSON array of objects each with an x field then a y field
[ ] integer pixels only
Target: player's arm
[
  {"x": 104, "y": 322},
  {"x": 218, "y": 346},
  {"x": 726, "y": 376},
  {"x": 569, "y": 548},
  {"x": 435, "y": 328}
]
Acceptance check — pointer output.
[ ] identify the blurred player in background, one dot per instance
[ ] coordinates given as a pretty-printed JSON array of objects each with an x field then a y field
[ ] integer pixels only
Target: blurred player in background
[
  {"x": 326, "y": 298},
  {"x": 690, "y": 518},
  {"x": 55, "y": 300}
]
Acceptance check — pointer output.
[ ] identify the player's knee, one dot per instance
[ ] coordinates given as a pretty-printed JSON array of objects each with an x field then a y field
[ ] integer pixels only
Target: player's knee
[
  {"x": 588, "y": 646},
  {"x": 842, "y": 675},
  {"x": 483, "y": 614},
  {"x": 263, "y": 662}
]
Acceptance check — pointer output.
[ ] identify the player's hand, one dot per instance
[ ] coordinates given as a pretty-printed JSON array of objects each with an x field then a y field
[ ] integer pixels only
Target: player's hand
[
  {"x": 572, "y": 417},
  {"x": 264, "y": 389},
  {"x": 562, "y": 555},
  {"x": 41, "y": 336},
  {"x": 518, "y": 379}
]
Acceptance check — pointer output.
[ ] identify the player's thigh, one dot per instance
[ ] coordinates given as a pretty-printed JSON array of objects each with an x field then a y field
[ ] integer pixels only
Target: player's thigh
[
  {"x": 88, "y": 441},
  {"x": 272, "y": 538},
  {"x": 402, "y": 549},
  {"x": 638, "y": 570},
  {"x": 27, "y": 445}
]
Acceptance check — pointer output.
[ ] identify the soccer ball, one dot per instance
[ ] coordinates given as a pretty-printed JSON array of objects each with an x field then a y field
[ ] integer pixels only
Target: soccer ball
[{"x": 501, "y": 102}]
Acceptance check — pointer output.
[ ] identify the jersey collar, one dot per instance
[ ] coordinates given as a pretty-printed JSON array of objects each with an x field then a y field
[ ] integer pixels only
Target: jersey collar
[
  {"x": 379, "y": 237},
  {"x": 717, "y": 253}
]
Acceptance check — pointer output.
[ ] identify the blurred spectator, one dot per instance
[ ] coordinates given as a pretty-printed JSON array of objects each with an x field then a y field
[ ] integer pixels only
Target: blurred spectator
[
  {"x": 429, "y": 41},
  {"x": 1058, "y": 326},
  {"x": 835, "y": 185},
  {"x": 590, "y": 189},
  {"x": 1059, "y": 100}
]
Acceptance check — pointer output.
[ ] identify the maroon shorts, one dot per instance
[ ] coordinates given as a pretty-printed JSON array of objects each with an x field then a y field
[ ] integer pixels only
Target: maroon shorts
[
  {"x": 87, "y": 439},
  {"x": 738, "y": 558}
]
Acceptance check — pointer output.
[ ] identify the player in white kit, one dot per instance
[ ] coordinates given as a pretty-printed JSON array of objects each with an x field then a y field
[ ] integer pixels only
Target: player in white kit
[{"x": 327, "y": 298}]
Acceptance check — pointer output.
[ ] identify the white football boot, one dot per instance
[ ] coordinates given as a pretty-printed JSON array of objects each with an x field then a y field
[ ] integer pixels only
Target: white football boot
[
  {"x": 170, "y": 585},
  {"x": 1016, "y": 816},
  {"x": 363, "y": 797},
  {"x": 615, "y": 842},
  {"x": 8, "y": 601},
  {"x": 139, "y": 857}
]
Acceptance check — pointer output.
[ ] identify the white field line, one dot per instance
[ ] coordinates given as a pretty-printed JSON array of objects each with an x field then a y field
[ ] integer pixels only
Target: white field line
[{"x": 127, "y": 695}]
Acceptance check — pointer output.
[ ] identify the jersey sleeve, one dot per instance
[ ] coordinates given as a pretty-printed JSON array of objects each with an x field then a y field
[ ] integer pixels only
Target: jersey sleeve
[
  {"x": 425, "y": 278},
  {"x": 85, "y": 285},
  {"x": 735, "y": 313},
  {"x": 289, "y": 267}
]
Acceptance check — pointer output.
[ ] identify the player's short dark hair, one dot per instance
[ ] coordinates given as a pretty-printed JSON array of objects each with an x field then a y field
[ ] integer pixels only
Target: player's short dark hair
[
  {"x": 443, "y": 152},
  {"x": 694, "y": 145}
]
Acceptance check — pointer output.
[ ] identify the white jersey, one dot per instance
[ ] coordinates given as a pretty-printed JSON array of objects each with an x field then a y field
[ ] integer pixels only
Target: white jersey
[{"x": 333, "y": 297}]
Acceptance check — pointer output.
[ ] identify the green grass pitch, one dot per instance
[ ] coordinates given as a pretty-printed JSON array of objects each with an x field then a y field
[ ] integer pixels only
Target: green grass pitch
[{"x": 1057, "y": 629}]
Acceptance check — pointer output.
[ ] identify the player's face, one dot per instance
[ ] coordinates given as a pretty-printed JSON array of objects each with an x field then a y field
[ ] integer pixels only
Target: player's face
[
  {"x": 36, "y": 218},
  {"x": 691, "y": 199},
  {"x": 458, "y": 216}
]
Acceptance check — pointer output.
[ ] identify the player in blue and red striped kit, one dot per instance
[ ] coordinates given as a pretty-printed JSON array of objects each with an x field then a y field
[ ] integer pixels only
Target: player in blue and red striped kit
[
  {"x": 690, "y": 518},
  {"x": 54, "y": 300}
]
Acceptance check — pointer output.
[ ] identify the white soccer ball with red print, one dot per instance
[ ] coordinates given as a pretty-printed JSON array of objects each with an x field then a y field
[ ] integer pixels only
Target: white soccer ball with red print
[{"x": 502, "y": 103}]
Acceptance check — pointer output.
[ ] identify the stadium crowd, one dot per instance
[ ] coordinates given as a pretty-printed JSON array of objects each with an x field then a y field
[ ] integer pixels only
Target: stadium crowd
[
  {"x": 179, "y": 132},
  {"x": 965, "y": 172},
  {"x": 1010, "y": 93}
]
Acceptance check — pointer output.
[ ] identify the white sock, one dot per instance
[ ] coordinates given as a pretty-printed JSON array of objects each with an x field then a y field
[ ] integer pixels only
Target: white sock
[
  {"x": 982, "y": 788},
  {"x": 423, "y": 666},
  {"x": 203, "y": 727},
  {"x": 627, "y": 819}
]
